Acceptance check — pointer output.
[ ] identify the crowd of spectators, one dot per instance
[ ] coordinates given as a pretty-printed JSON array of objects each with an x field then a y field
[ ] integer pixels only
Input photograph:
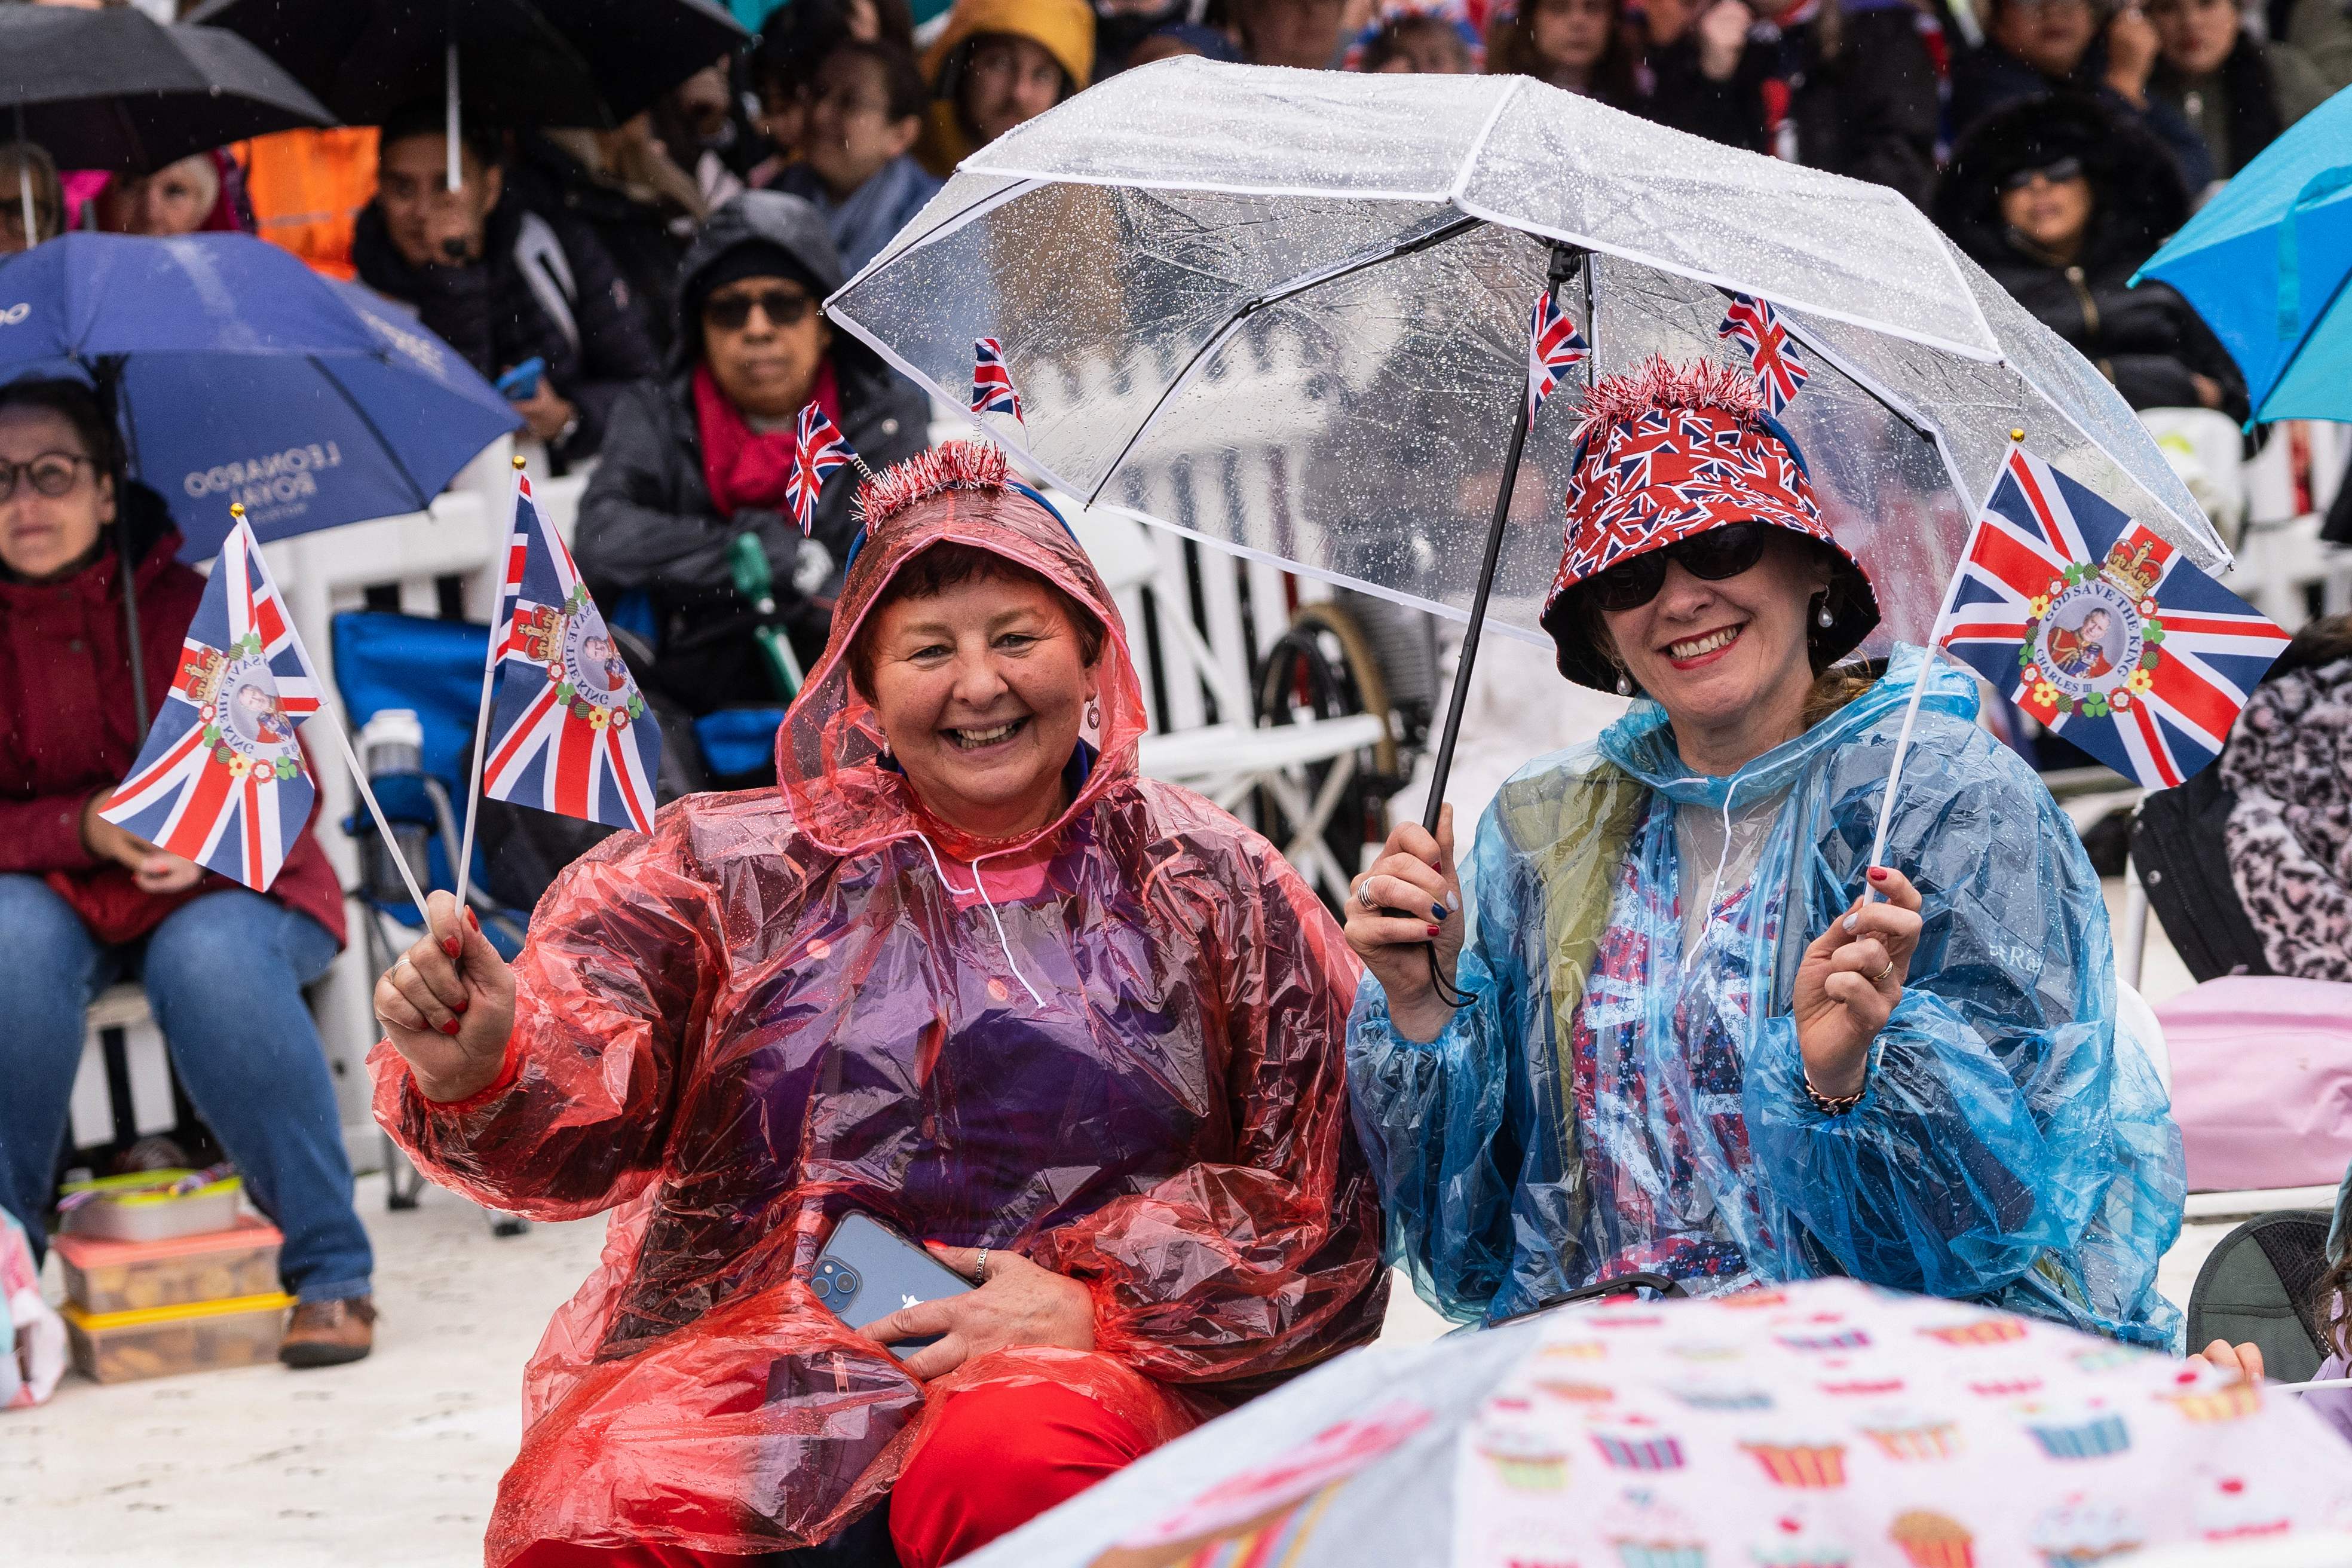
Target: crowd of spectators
[{"x": 2057, "y": 142}]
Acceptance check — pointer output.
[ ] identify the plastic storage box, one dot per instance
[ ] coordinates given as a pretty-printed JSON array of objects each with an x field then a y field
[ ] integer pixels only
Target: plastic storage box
[
  {"x": 144, "y": 1207},
  {"x": 200, "y": 1336},
  {"x": 105, "y": 1277}
]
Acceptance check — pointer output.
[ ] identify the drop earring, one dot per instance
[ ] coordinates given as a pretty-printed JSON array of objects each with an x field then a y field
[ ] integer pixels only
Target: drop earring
[
  {"x": 1094, "y": 713},
  {"x": 1624, "y": 684},
  {"x": 1823, "y": 617}
]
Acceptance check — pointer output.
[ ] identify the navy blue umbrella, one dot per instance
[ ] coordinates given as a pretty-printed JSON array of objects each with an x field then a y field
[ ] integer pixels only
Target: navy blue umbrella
[{"x": 240, "y": 375}]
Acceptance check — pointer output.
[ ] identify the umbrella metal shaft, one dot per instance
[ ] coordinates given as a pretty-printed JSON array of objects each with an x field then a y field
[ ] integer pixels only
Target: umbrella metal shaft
[{"x": 1564, "y": 261}]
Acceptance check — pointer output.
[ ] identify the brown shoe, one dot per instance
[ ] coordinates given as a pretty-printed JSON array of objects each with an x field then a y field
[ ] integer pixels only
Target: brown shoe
[{"x": 329, "y": 1333}]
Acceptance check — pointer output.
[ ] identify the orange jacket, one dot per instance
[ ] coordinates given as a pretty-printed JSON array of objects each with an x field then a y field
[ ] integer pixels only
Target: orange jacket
[{"x": 307, "y": 187}]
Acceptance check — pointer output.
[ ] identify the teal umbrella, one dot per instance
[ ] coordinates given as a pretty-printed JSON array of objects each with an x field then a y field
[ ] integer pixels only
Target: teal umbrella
[{"x": 2265, "y": 264}]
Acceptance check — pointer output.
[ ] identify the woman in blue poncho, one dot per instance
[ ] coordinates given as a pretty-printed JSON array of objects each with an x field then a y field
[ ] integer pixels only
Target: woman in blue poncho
[{"x": 1692, "y": 1045}]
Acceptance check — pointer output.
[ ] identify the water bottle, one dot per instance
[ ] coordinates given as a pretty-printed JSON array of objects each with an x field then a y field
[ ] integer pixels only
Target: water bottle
[{"x": 392, "y": 746}]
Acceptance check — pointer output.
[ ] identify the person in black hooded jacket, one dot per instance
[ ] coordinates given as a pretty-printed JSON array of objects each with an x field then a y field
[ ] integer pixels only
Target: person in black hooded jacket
[
  {"x": 501, "y": 285},
  {"x": 2061, "y": 202},
  {"x": 694, "y": 460}
]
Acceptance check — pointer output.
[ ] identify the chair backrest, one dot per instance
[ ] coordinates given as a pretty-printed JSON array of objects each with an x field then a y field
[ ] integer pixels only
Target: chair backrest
[
  {"x": 2257, "y": 1287},
  {"x": 2138, "y": 1019}
]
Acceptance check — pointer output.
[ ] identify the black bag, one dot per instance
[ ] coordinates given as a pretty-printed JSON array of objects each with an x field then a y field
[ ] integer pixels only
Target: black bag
[
  {"x": 2183, "y": 858},
  {"x": 2260, "y": 1284}
]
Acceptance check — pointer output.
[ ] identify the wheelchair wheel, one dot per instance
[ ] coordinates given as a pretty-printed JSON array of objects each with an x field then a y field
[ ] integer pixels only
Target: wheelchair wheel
[{"x": 1324, "y": 667}]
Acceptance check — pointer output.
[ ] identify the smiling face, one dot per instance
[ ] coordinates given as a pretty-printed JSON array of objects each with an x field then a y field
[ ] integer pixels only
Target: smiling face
[
  {"x": 1728, "y": 660},
  {"x": 2053, "y": 214},
  {"x": 981, "y": 688},
  {"x": 45, "y": 536}
]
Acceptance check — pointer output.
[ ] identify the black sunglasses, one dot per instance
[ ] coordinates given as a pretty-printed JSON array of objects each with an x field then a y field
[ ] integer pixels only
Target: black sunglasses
[
  {"x": 784, "y": 308},
  {"x": 2057, "y": 172},
  {"x": 1712, "y": 556}
]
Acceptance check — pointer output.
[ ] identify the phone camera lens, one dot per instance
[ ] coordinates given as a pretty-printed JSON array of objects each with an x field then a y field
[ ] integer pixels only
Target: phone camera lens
[{"x": 846, "y": 1283}]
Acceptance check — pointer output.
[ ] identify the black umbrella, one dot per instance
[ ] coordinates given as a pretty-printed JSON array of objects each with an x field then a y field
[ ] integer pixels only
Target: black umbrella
[
  {"x": 116, "y": 90},
  {"x": 569, "y": 62}
]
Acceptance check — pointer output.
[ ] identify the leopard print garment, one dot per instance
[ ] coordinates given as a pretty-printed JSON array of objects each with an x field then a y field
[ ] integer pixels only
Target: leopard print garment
[{"x": 2289, "y": 761}]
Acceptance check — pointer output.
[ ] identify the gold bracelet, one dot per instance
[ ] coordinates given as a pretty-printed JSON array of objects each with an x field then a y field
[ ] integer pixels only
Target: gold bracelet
[{"x": 1831, "y": 1104}]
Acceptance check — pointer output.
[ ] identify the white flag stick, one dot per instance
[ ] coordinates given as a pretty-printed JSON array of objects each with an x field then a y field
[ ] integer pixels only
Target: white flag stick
[
  {"x": 1933, "y": 651},
  {"x": 482, "y": 712},
  {"x": 2315, "y": 1383}
]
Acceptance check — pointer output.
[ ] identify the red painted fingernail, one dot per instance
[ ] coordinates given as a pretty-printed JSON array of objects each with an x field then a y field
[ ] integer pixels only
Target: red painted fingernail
[
  {"x": 456, "y": 1006},
  {"x": 1878, "y": 873},
  {"x": 452, "y": 947},
  {"x": 472, "y": 921},
  {"x": 1433, "y": 930},
  {"x": 450, "y": 1027}
]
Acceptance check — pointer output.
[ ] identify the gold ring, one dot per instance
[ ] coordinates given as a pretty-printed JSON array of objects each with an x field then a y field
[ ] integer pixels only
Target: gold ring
[{"x": 1884, "y": 973}]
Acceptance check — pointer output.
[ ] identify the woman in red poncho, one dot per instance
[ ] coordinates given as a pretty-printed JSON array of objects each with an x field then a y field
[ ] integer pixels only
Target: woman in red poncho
[{"x": 963, "y": 971}]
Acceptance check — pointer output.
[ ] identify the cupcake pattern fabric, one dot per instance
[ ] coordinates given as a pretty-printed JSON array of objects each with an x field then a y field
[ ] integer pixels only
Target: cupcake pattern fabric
[{"x": 1830, "y": 1425}]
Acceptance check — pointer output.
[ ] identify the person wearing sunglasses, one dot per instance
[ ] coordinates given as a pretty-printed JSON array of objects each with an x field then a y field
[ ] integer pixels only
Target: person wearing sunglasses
[
  {"x": 2061, "y": 200},
  {"x": 1670, "y": 1020},
  {"x": 697, "y": 460}
]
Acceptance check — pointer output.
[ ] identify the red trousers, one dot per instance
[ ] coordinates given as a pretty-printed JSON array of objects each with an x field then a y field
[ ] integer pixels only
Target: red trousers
[{"x": 998, "y": 1456}]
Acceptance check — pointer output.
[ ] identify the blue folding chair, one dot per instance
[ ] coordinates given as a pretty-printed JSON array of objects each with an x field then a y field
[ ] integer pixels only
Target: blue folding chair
[{"x": 386, "y": 665}]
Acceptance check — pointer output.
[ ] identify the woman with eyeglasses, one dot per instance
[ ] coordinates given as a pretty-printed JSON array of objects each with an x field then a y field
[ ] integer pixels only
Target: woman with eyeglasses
[
  {"x": 84, "y": 903},
  {"x": 693, "y": 462},
  {"x": 1682, "y": 1028}
]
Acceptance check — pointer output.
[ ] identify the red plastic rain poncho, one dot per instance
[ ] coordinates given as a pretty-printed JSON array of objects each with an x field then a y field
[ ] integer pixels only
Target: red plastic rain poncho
[{"x": 778, "y": 1008}]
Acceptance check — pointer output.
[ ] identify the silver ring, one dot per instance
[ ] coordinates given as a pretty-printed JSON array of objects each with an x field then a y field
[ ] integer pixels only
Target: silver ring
[
  {"x": 980, "y": 1270},
  {"x": 1364, "y": 896}
]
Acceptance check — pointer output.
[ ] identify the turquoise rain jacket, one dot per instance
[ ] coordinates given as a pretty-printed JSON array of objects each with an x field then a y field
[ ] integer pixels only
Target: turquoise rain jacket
[{"x": 1605, "y": 1104}]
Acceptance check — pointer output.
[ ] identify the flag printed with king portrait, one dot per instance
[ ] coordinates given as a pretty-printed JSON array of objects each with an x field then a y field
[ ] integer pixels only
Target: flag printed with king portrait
[
  {"x": 221, "y": 780},
  {"x": 569, "y": 730},
  {"x": 2101, "y": 630}
]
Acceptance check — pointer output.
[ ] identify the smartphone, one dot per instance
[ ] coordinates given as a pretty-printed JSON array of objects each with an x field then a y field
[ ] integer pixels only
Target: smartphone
[
  {"x": 869, "y": 1271},
  {"x": 522, "y": 382}
]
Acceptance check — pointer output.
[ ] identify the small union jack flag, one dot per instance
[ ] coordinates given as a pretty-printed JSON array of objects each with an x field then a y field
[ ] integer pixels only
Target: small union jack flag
[
  {"x": 1553, "y": 345},
  {"x": 991, "y": 381},
  {"x": 221, "y": 780},
  {"x": 821, "y": 447},
  {"x": 2101, "y": 630},
  {"x": 569, "y": 730},
  {"x": 1772, "y": 353}
]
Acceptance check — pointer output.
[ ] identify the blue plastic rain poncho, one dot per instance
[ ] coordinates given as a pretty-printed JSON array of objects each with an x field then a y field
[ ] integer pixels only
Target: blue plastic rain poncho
[{"x": 1613, "y": 1100}]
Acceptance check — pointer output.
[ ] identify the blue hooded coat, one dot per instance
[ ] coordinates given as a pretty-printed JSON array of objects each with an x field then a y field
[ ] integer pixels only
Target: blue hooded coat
[{"x": 1607, "y": 1103}]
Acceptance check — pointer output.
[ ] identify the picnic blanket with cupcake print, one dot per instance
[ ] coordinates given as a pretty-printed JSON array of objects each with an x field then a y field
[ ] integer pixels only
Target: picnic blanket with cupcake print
[{"x": 1830, "y": 1425}]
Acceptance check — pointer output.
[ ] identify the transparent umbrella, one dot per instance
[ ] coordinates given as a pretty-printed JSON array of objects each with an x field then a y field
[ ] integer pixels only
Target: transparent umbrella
[{"x": 1286, "y": 312}]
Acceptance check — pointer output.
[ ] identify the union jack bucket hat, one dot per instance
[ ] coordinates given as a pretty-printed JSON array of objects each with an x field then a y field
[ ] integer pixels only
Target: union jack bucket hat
[{"x": 1666, "y": 451}]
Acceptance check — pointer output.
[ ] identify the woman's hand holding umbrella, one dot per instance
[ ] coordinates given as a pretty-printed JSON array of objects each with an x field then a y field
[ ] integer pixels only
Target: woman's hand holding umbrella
[
  {"x": 1848, "y": 981},
  {"x": 155, "y": 870},
  {"x": 1019, "y": 1303},
  {"x": 1415, "y": 872},
  {"x": 448, "y": 1006}
]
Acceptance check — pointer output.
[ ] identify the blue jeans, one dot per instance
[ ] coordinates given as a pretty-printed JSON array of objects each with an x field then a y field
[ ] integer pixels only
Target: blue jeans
[{"x": 224, "y": 974}]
